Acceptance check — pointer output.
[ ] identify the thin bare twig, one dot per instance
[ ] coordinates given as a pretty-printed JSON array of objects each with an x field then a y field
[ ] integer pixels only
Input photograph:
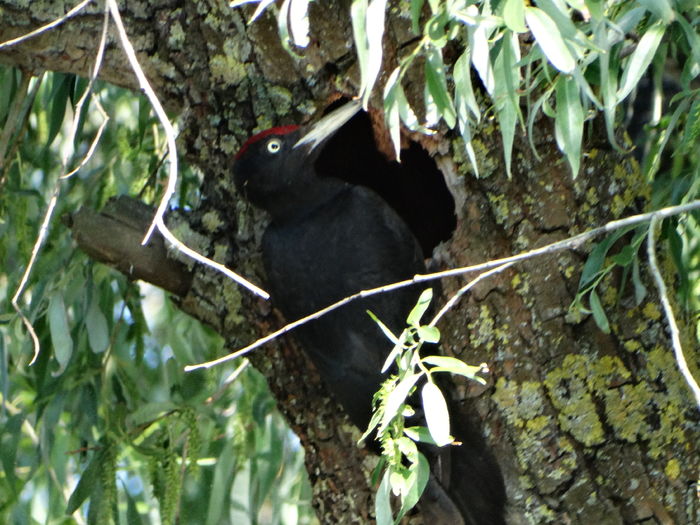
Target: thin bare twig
[
  {"x": 43, "y": 230},
  {"x": 566, "y": 244},
  {"x": 464, "y": 289},
  {"x": 668, "y": 310},
  {"x": 158, "y": 220},
  {"x": 46, "y": 27}
]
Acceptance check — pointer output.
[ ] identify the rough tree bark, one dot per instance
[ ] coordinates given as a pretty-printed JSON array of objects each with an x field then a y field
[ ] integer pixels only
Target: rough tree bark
[{"x": 588, "y": 427}]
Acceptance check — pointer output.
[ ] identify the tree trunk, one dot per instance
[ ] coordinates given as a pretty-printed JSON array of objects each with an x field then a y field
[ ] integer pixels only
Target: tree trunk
[{"x": 587, "y": 427}]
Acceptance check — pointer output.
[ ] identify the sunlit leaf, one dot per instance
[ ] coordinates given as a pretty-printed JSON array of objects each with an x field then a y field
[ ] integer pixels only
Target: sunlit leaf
[
  {"x": 382, "y": 503},
  {"x": 420, "y": 308},
  {"x": 514, "y": 15},
  {"x": 436, "y": 413},
  {"x": 454, "y": 366},
  {"x": 398, "y": 397},
  {"x": 569, "y": 121},
  {"x": 640, "y": 59},
  {"x": 549, "y": 39}
]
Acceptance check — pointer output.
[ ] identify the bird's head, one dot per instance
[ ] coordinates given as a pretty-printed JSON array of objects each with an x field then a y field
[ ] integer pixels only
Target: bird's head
[{"x": 276, "y": 166}]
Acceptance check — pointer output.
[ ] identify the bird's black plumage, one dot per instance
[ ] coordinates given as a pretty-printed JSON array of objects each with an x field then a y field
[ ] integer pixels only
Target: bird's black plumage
[{"x": 328, "y": 240}]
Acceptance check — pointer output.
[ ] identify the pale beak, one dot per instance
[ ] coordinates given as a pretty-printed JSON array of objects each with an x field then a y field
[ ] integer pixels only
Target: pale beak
[{"x": 328, "y": 125}]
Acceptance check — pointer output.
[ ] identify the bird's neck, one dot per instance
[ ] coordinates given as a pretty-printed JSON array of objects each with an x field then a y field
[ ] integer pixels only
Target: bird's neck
[{"x": 303, "y": 198}]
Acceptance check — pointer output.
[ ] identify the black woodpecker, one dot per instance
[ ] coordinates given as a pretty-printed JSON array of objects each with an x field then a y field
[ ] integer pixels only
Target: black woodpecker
[{"x": 327, "y": 240}]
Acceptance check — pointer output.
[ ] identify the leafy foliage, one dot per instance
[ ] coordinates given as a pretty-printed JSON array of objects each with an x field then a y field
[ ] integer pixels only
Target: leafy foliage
[
  {"x": 404, "y": 470},
  {"x": 105, "y": 426}
]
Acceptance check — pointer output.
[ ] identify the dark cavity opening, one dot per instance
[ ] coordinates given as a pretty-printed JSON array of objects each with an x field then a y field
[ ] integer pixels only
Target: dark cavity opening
[{"x": 415, "y": 188}]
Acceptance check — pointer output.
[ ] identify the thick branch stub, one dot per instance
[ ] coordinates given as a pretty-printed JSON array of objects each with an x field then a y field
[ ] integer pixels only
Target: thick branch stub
[{"x": 113, "y": 237}]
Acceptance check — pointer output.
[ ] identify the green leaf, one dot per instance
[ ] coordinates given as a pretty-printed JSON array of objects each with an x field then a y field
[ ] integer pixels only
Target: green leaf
[
  {"x": 149, "y": 412},
  {"x": 640, "y": 291},
  {"x": 397, "y": 397},
  {"x": 569, "y": 121},
  {"x": 625, "y": 256},
  {"x": 436, "y": 88},
  {"x": 87, "y": 483},
  {"x": 436, "y": 414},
  {"x": 368, "y": 33},
  {"x": 453, "y": 366},
  {"x": 388, "y": 333},
  {"x": 550, "y": 40},
  {"x": 599, "y": 313},
  {"x": 417, "y": 481},
  {"x": 420, "y": 308},
  {"x": 514, "y": 15},
  {"x": 382, "y": 503},
  {"x": 60, "y": 332},
  {"x": 416, "y": 10},
  {"x": 429, "y": 334},
  {"x": 420, "y": 434},
  {"x": 392, "y": 110},
  {"x": 96, "y": 324},
  {"x": 660, "y": 8},
  {"x": 640, "y": 59},
  {"x": 481, "y": 55},
  {"x": 60, "y": 95}
]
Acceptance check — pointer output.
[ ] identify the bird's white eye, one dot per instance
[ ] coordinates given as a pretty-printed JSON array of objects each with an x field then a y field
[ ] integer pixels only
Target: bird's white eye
[{"x": 274, "y": 145}]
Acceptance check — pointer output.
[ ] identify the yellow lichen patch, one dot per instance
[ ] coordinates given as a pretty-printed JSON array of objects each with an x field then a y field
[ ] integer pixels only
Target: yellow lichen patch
[
  {"x": 673, "y": 469},
  {"x": 499, "y": 206},
  {"x": 506, "y": 397},
  {"x": 227, "y": 69},
  {"x": 632, "y": 345},
  {"x": 212, "y": 221},
  {"x": 626, "y": 411},
  {"x": 482, "y": 329},
  {"x": 567, "y": 389},
  {"x": 651, "y": 311},
  {"x": 617, "y": 207}
]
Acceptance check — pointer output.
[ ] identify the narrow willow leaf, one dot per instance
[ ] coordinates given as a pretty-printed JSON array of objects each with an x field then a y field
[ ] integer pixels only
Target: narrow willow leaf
[
  {"x": 420, "y": 308},
  {"x": 640, "y": 291},
  {"x": 264, "y": 4},
  {"x": 514, "y": 15},
  {"x": 299, "y": 22},
  {"x": 569, "y": 121},
  {"x": 596, "y": 8},
  {"x": 418, "y": 479},
  {"x": 608, "y": 81},
  {"x": 416, "y": 10},
  {"x": 96, "y": 324},
  {"x": 660, "y": 8},
  {"x": 454, "y": 366},
  {"x": 436, "y": 84},
  {"x": 376, "y": 11},
  {"x": 60, "y": 332},
  {"x": 382, "y": 502},
  {"x": 388, "y": 333},
  {"x": 396, "y": 398},
  {"x": 464, "y": 90},
  {"x": 87, "y": 482},
  {"x": 479, "y": 43},
  {"x": 60, "y": 94},
  {"x": 505, "y": 96},
  {"x": 429, "y": 334},
  {"x": 599, "y": 313},
  {"x": 549, "y": 39},
  {"x": 358, "y": 14},
  {"x": 436, "y": 414},
  {"x": 392, "y": 111},
  {"x": 640, "y": 59}
]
